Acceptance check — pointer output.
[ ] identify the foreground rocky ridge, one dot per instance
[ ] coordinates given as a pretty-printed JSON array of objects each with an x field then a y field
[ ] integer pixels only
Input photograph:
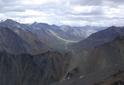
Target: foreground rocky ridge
[
  {"x": 26, "y": 69},
  {"x": 97, "y": 62}
]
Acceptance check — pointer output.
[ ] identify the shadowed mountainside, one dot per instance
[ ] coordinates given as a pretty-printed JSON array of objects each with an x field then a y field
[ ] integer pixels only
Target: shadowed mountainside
[
  {"x": 22, "y": 42},
  {"x": 26, "y": 69},
  {"x": 97, "y": 58}
]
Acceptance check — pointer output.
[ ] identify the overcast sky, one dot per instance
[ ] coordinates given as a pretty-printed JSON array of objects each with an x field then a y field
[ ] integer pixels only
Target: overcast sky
[{"x": 68, "y": 12}]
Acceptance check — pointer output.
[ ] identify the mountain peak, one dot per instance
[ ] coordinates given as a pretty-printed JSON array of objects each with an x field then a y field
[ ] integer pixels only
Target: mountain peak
[
  {"x": 10, "y": 21},
  {"x": 10, "y": 24},
  {"x": 36, "y": 23}
]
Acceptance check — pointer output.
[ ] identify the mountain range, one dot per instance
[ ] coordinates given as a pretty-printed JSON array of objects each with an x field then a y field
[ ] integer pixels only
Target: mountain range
[
  {"x": 56, "y": 37},
  {"x": 43, "y": 54}
]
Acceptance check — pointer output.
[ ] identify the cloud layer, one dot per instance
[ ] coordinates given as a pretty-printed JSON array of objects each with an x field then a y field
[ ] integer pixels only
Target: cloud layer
[{"x": 70, "y": 12}]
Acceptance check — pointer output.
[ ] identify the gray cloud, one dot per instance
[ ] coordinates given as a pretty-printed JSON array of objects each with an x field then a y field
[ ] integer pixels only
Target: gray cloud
[
  {"x": 86, "y": 2},
  {"x": 65, "y": 12},
  {"x": 117, "y": 1}
]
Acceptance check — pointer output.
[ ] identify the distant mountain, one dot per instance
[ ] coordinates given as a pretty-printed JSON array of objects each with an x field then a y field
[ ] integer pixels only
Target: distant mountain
[
  {"x": 68, "y": 32},
  {"x": 33, "y": 44},
  {"x": 46, "y": 35},
  {"x": 102, "y": 37},
  {"x": 56, "y": 37},
  {"x": 97, "y": 59}
]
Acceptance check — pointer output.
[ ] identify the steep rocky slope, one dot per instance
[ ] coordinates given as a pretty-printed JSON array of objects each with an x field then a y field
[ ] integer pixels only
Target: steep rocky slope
[
  {"x": 99, "y": 45},
  {"x": 97, "y": 58},
  {"x": 32, "y": 44},
  {"x": 35, "y": 46},
  {"x": 11, "y": 42},
  {"x": 26, "y": 69}
]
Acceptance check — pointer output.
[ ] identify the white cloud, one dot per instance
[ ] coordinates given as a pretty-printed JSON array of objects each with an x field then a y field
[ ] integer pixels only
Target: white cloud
[
  {"x": 72, "y": 12},
  {"x": 82, "y": 9},
  {"x": 111, "y": 12},
  {"x": 40, "y": 2}
]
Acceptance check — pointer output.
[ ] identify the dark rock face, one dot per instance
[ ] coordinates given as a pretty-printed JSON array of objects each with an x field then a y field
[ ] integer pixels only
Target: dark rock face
[
  {"x": 25, "y": 69},
  {"x": 18, "y": 41},
  {"x": 11, "y": 42},
  {"x": 98, "y": 52},
  {"x": 115, "y": 79},
  {"x": 97, "y": 60}
]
